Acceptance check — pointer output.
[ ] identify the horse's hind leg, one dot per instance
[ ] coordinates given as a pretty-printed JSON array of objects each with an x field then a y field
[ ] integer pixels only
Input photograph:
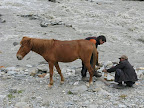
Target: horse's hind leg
[
  {"x": 51, "y": 73},
  {"x": 59, "y": 71},
  {"x": 89, "y": 68}
]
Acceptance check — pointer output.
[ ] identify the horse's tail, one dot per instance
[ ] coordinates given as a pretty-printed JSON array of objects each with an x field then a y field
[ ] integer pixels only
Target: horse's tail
[{"x": 95, "y": 56}]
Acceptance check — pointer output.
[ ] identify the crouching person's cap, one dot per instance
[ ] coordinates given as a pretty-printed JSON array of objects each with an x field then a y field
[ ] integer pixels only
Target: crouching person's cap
[{"x": 124, "y": 57}]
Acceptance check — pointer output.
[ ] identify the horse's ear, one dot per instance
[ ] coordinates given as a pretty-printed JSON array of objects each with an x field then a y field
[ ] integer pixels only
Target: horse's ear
[
  {"x": 26, "y": 40},
  {"x": 25, "y": 37}
]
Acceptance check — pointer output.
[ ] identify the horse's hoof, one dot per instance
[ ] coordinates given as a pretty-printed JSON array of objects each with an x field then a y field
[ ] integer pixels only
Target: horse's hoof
[
  {"x": 91, "y": 83},
  {"x": 87, "y": 84},
  {"x": 49, "y": 85},
  {"x": 62, "y": 82}
]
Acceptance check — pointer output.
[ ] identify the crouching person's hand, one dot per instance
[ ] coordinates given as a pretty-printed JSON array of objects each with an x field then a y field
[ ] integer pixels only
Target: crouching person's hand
[{"x": 104, "y": 70}]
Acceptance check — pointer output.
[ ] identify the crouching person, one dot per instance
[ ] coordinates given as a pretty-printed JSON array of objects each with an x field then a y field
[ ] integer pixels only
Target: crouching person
[{"x": 124, "y": 72}]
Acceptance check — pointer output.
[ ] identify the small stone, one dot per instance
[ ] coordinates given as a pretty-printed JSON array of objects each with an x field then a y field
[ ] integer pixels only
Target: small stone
[
  {"x": 52, "y": 0},
  {"x": 39, "y": 99},
  {"x": 2, "y": 20},
  {"x": 141, "y": 106},
  {"x": 63, "y": 91},
  {"x": 22, "y": 105},
  {"x": 24, "y": 99},
  {"x": 96, "y": 89},
  {"x": 15, "y": 43},
  {"x": 76, "y": 83},
  {"x": 2, "y": 73},
  {"x": 33, "y": 73},
  {"x": 109, "y": 78},
  {"x": 140, "y": 74},
  {"x": 47, "y": 76},
  {"x": 108, "y": 64},
  {"x": 20, "y": 76},
  {"x": 10, "y": 68},
  {"x": 68, "y": 25},
  {"x": 12, "y": 72},
  {"x": 6, "y": 77},
  {"x": 42, "y": 68},
  {"x": 30, "y": 66},
  {"x": 2, "y": 96},
  {"x": 26, "y": 73},
  {"x": 122, "y": 106},
  {"x": 44, "y": 24}
]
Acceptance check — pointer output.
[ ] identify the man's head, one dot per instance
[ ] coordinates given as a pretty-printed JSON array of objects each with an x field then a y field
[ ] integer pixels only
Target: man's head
[
  {"x": 123, "y": 57},
  {"x": 101, "y": 39}
]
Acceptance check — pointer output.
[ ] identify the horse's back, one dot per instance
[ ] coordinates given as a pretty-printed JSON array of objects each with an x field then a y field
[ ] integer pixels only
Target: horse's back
[
  {"x": 72, "y": 50},
  {"x": 85, "y": 45},
  {"x": 73, "y": 45},
  {"x": 65, "y": 51}
]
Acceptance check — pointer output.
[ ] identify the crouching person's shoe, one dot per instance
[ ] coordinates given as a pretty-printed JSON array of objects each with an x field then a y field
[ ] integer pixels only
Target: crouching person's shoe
[
  {"x": 118, "y": 86},
  {"x": 129, "y": 83},
  {"x": 96, "y": 74}
]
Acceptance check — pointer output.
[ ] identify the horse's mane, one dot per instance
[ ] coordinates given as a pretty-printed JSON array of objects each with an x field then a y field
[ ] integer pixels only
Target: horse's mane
[{"x": 41, "y": 44}]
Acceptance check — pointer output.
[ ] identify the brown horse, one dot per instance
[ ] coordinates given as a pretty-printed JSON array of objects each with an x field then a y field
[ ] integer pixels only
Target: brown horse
[{"x": 54, "y": 51}]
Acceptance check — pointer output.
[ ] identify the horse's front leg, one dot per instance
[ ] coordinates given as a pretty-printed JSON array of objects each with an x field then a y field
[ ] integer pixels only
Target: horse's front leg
[
  {"x": 51, "y": 73},
  {"x": 59, "y": 71}
]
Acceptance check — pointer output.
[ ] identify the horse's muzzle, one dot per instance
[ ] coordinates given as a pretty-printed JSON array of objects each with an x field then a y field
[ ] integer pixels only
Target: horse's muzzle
[{"x": 19, "y": 57}]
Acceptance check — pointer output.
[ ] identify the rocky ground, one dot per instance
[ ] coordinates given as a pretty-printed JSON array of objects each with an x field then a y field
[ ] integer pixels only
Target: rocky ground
[{"x": 120, "y": 21}]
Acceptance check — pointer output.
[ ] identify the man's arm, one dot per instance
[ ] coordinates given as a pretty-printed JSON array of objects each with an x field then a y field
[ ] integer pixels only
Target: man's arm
[{"x": 112, "y": 69}]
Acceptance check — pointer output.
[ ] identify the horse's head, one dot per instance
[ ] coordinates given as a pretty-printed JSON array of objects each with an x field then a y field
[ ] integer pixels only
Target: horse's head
[{"x": 25, "y": 48}]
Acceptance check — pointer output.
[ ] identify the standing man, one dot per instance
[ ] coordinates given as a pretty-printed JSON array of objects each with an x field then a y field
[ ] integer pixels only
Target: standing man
[
  {"x": 97, "y": 41},
  {"x": 124, "y": 72}
]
